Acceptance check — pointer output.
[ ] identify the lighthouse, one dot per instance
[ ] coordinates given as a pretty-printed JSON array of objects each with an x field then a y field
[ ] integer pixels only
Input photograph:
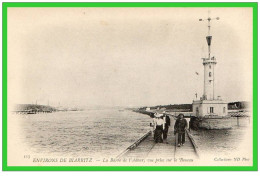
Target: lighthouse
[
  {"x": 210, "y": 109},
  {"x": 209, "y": 67}
]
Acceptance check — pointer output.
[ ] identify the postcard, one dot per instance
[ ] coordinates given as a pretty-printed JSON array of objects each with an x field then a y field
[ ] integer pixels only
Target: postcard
[{"x": 130, "y": 86}]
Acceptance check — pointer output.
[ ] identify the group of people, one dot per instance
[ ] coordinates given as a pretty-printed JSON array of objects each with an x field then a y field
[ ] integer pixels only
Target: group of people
[{"x": 161, "y": 124}]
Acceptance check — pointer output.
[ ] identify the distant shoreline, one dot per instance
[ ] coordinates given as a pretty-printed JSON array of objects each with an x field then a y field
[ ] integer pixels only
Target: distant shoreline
[
  {"x": 34, "y": 109},
  {"x": 238, "y": 105}
]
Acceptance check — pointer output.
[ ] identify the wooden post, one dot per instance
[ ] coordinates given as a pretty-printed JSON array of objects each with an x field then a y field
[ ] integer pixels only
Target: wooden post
[{"x": 175, "y": 148}]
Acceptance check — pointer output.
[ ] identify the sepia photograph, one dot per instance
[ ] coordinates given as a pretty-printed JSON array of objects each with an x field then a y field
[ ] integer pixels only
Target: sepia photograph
[{"x": 120, "y": 86}]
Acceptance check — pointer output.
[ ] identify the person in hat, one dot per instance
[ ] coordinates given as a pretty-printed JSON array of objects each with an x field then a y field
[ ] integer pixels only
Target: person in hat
[
  {"x": 159, "y": 127},
  {"x": 179, "y": 128},
  {"x": 152, "y": 115}
]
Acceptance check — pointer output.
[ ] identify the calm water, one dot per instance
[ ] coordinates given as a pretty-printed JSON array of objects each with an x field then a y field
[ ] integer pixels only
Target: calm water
[
  {"x": 103, "y": 132},
  {"x": 223, "y": 142},
  {"x": 107, "y": 132}
]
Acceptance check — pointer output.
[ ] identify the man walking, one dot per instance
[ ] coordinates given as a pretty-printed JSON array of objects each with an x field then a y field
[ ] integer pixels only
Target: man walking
[{"x": 179, "y": 127}]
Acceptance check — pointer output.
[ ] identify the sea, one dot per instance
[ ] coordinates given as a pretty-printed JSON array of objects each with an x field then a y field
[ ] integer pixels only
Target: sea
[
  {"x": 106, "y": 132},
  {"x": 94, "y": 132},
  {"x": 226, "y": 142}
]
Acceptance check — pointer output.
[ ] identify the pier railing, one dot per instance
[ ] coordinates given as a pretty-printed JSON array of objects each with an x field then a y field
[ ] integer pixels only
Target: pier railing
[
  {"x": 195, "y": 147},
  {"x": 134, "y": 145},
  {"x": 239, "y": 114}
]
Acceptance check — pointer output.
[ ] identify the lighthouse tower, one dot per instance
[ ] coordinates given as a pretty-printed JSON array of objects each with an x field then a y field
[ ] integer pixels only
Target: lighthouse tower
[
  {"x": 209, "y": 67},
  {"x": 209, "y": 107},
  {"x": 209, "y": 82}
]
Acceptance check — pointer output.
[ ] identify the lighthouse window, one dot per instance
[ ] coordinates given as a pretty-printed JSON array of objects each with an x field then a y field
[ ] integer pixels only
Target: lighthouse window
[
  {"x": 209, "y": 74},
  {"x": 211, "y": 110},
  {"x": 209, "y": 66},
  {"x": 224, "y": 110}
]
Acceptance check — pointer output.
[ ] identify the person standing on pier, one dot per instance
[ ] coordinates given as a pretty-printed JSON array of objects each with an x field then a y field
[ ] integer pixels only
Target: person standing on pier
[
  {"x": 167, "y": 123},
  {"x": 159, "y": 127},
  {"x": 179, "y": 127},
  {"x": 152, "y": 123}
]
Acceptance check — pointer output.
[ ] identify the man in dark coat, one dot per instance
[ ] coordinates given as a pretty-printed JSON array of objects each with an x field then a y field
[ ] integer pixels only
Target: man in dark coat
[
  {"x": 179, "y": 127},
  {"x": 167, "y": 122}
]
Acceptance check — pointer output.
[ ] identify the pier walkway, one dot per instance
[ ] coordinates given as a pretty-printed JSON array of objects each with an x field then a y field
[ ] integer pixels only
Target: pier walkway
[{"x": 147, "y": 148}]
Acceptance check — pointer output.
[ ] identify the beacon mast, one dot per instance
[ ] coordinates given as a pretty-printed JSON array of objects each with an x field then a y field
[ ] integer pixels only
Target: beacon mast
[{"x": 209, "y": 67}]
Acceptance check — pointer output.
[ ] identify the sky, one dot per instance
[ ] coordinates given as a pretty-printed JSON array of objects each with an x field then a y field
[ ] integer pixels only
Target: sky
[{"x": 125, "y": 56}]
